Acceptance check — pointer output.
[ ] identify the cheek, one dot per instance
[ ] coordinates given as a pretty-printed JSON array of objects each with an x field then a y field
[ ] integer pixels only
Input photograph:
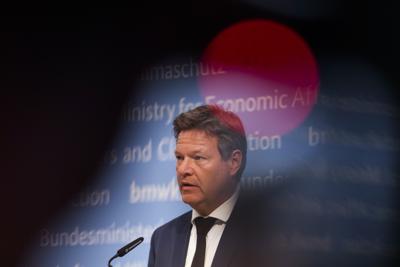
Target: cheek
[
  {"x": 211, "y": 178},
  {"x": 213, "y": 182}
]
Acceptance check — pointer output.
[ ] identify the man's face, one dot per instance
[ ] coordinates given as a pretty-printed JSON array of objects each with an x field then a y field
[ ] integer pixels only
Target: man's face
[{"x": 205, "y": 179}]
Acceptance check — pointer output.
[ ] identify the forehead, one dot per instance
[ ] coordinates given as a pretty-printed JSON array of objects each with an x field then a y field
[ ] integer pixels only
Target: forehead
[{"x": 196, "y": 138}]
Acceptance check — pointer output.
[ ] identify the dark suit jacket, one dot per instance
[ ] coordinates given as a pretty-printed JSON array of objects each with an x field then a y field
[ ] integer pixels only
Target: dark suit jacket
[{"x": 240, "y": 244}]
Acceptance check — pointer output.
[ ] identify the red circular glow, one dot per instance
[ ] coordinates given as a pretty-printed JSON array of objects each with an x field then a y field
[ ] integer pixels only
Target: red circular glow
[{"x": 264, "y": 72}]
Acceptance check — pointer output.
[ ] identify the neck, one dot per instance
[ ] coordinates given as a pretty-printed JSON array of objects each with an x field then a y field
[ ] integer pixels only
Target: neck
[{"x": 206, "y": 209}]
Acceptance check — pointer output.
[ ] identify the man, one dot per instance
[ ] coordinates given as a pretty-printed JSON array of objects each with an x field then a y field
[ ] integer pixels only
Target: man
[{"x": 210, "y": 158}]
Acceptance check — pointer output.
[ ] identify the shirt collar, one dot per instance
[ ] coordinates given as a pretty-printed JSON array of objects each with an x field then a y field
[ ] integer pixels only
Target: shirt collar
[{"x": 223, "y": 212}]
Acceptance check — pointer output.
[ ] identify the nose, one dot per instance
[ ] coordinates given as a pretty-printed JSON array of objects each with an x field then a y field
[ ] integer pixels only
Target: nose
[{"x": 184, "y": 167}]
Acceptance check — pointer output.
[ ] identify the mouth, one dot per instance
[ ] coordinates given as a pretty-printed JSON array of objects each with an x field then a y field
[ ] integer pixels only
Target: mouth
[{"x": 187, "y": 186}]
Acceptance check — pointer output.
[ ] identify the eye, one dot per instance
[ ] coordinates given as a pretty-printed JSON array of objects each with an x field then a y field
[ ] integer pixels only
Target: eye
[
  {"x": 197, "y": 157},
  {"x": 178, "y": 157}
]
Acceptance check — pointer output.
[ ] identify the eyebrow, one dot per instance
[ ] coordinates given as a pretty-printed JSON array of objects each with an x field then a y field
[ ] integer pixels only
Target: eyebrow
[{"x": 191, "y": 152}]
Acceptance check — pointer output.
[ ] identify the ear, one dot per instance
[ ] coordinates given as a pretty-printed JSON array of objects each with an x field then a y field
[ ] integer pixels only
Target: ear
[{"x": 235, "y": 161}]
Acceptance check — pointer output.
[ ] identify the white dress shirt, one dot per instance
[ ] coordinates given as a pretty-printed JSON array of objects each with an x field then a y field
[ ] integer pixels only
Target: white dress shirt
[{"x": 222, "y": 214}]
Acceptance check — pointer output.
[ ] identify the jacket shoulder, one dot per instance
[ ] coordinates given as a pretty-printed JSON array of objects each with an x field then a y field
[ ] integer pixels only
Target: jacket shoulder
[
  {"x": 169, "y": 242},
  {"x": 177, "y": 222}
]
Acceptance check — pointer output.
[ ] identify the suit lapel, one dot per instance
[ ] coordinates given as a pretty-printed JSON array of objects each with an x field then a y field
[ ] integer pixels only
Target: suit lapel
[
  {"x": 182, "y": 241},
  {"x": 230, "y": 240},
  {"x": 226, "y": 247}
]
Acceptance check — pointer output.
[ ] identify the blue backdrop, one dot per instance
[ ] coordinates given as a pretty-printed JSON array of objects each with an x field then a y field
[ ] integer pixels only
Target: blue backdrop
[{"x": 341, "y": 159}]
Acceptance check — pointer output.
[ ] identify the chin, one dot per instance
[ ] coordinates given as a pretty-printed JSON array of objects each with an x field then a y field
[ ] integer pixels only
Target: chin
[{"x": 190, "y": 200}]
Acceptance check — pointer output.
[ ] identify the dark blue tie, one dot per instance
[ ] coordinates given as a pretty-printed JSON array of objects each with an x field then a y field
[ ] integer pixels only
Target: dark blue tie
[{"x": 203, "y": 225}]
